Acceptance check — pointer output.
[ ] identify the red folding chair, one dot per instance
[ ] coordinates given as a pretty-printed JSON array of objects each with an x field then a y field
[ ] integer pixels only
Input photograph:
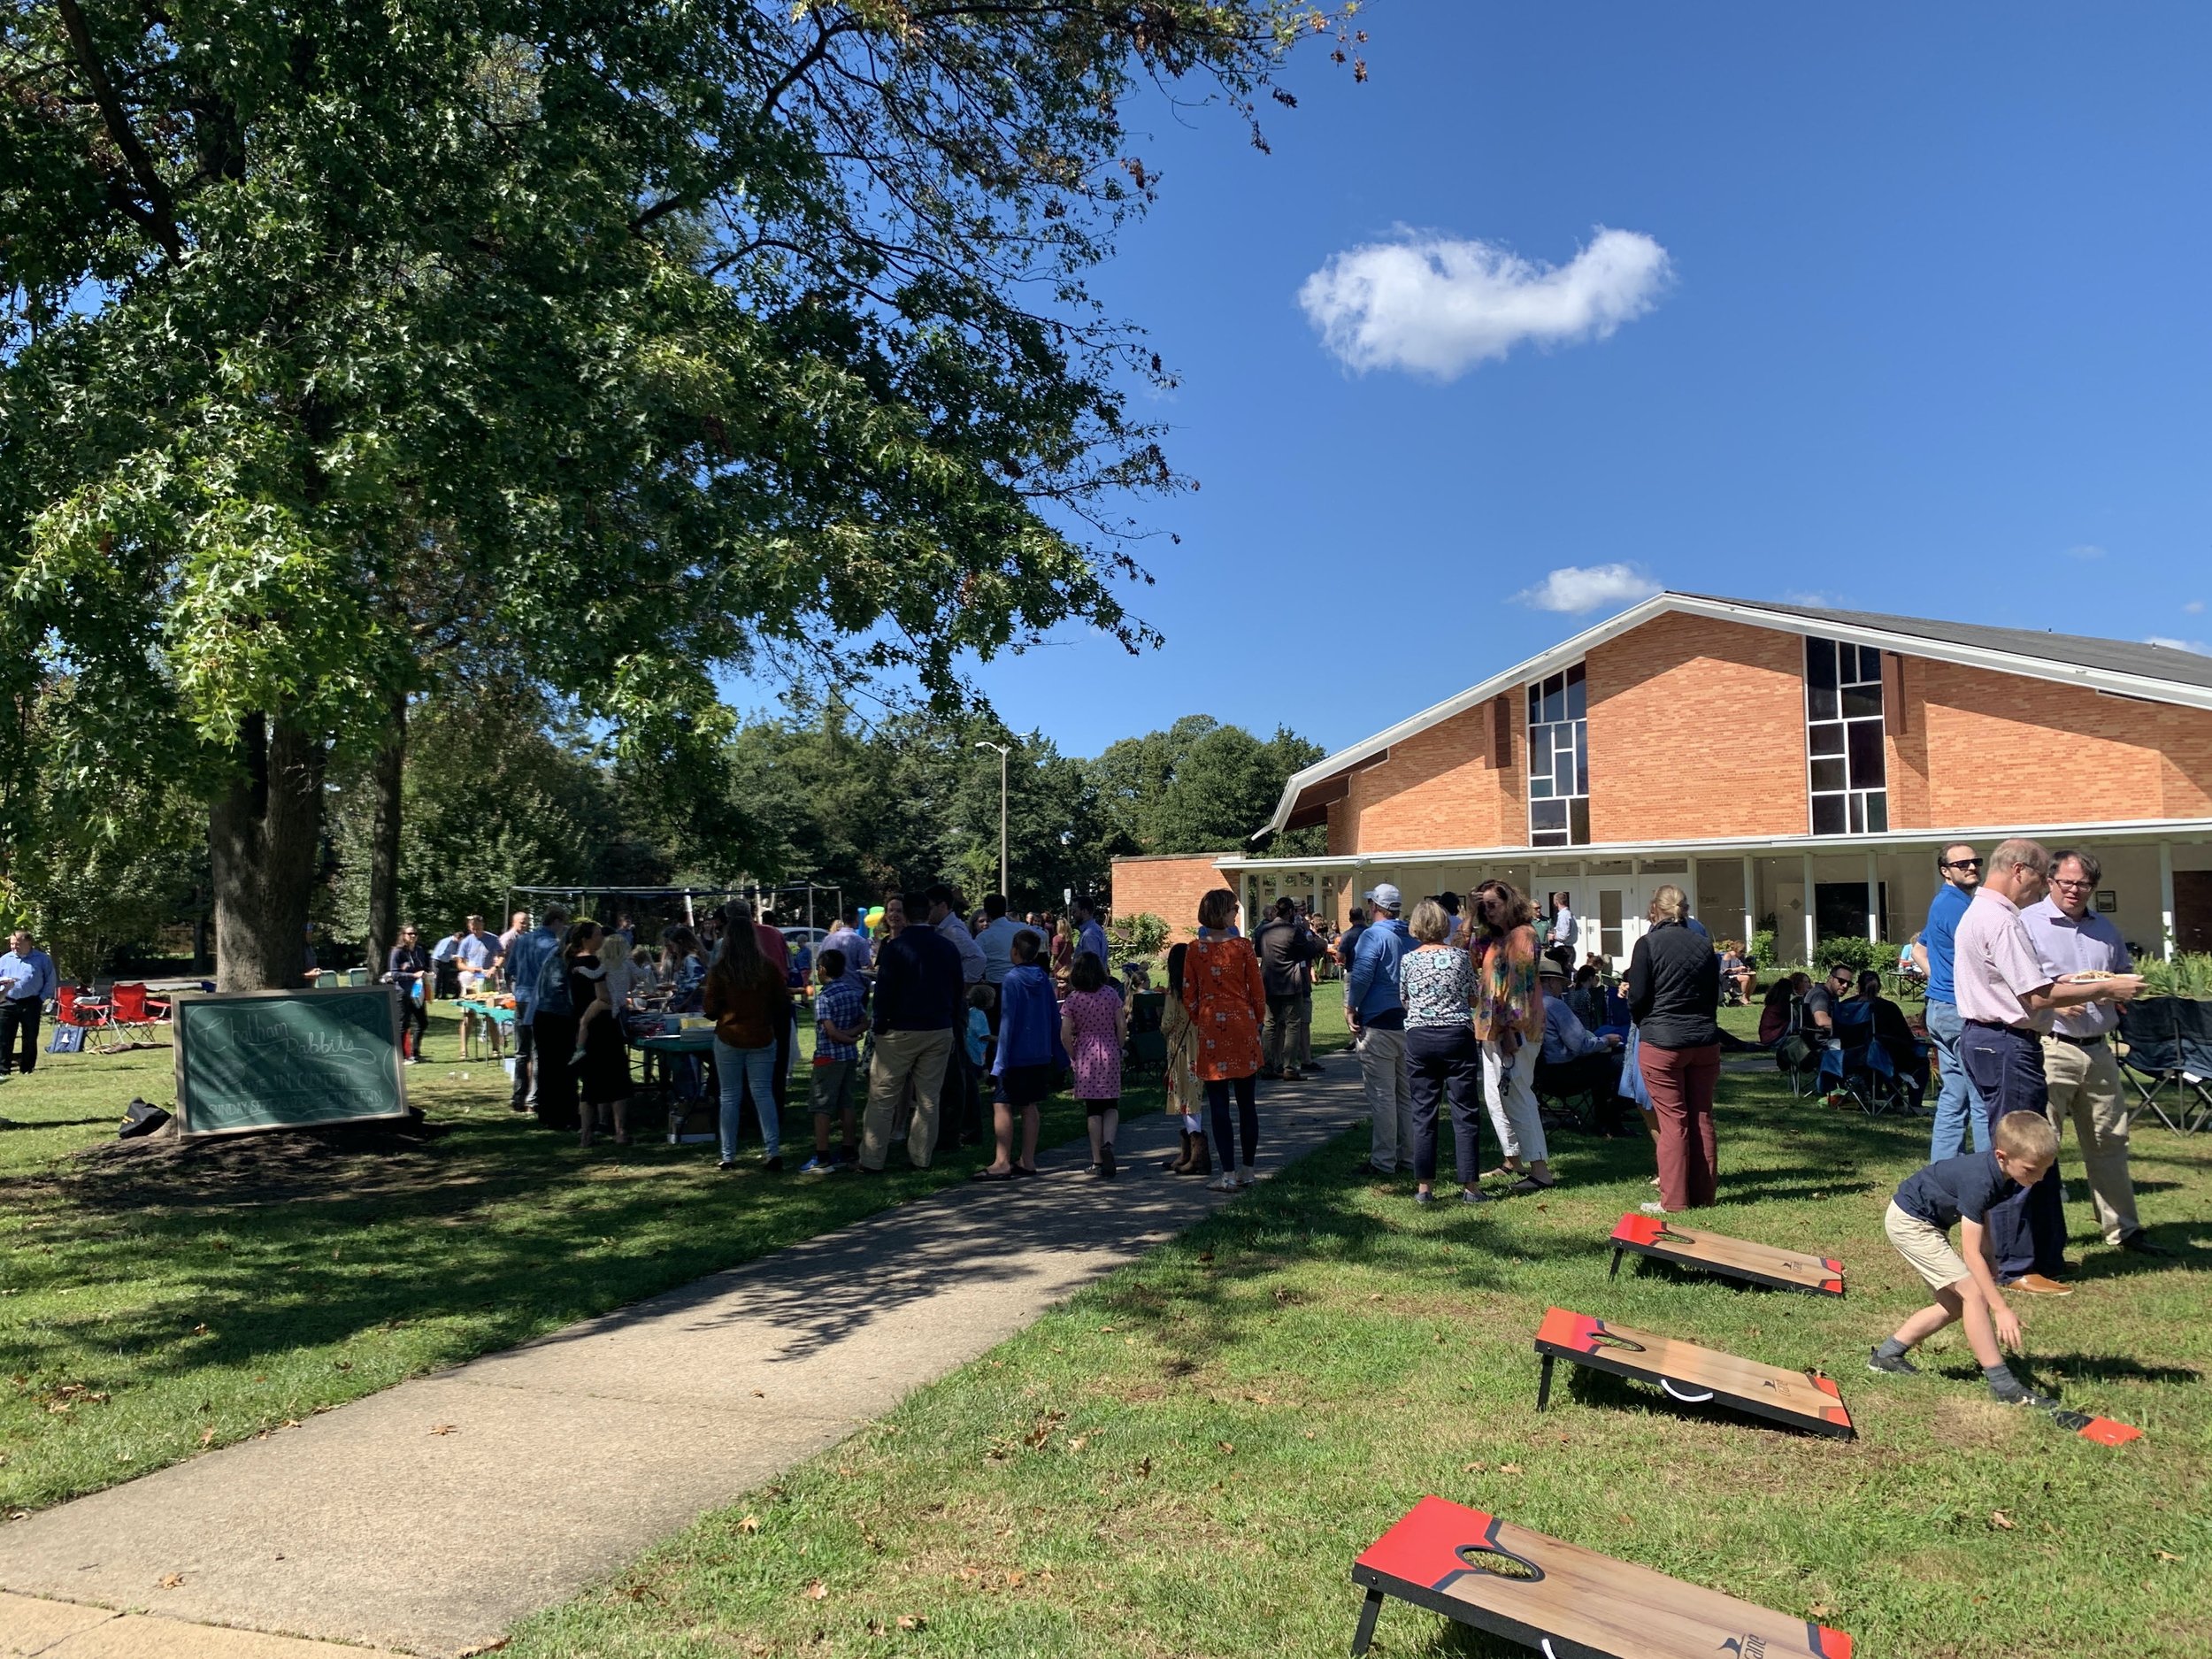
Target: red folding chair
[
  {"x": 72, "y": 1007},
  {"x": 134, "y": 1013}
]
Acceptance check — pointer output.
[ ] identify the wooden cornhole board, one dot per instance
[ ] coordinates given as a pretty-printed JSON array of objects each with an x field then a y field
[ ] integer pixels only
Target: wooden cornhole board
[
  {"x": 1563, "y": 1601},
  {"x": 1657, "y": 1237},
  {"x": 1692, "y": 1374}
]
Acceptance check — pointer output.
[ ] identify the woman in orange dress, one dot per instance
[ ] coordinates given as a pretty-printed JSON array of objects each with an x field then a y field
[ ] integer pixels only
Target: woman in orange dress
[{"x": 1227, "y": 1001}]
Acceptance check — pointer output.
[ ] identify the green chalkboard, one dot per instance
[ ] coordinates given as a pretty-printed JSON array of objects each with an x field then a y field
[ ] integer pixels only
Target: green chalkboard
[{"x": 252, "y": 1060}]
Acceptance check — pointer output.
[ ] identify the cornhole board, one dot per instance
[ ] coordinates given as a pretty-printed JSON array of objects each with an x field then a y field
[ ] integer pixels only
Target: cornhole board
[
  {"x": 2104, "y": 1431},
  {"x": 1657, "y": 1237},
  {"x": 1566, "y": 1601},
  {"x": 1694, "y": 1375}
]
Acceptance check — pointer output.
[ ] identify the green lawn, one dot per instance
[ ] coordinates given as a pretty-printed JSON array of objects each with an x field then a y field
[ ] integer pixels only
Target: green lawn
[
  {"x": 147, "y": 1312},
  {"x": 1186, "y": 1459}
]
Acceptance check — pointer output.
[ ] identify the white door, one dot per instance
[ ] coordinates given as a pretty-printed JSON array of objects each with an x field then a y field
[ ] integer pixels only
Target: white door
[{"x": 1614, "y": 920}]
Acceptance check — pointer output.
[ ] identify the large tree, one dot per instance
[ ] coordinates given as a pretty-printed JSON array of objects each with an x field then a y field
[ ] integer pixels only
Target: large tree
[
  {"x": 616, "y": 342},
  {"x": 1200, "y": 787}
]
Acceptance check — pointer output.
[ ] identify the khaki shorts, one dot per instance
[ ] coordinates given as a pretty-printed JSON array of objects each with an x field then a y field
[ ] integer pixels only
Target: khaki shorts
[{"x": 1929, "y": 1251}]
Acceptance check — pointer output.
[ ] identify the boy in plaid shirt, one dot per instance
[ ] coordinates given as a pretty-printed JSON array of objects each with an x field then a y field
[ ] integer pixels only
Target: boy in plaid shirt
[{"x": 840, "y": 1017}]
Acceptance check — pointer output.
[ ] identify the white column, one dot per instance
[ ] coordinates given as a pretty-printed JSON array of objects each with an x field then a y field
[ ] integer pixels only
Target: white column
[
  {"x": 1750, "y": 901},
  {"x": 1873, "y": 898},
  {"x": 1812, "y": 939},
  {"x": 2166, "y": 900}
]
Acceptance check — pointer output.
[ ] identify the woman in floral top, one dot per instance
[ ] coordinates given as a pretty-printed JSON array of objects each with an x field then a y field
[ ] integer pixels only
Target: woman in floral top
[
  {"x": 1227, "y": 1003},
  {"x": 1436, "y": 982},
  {"x": 1510, "y": 1022}
]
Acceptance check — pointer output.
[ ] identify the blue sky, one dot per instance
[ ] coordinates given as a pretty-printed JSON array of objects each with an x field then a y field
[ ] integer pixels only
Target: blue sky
[{"x": 1905, "y": 309}]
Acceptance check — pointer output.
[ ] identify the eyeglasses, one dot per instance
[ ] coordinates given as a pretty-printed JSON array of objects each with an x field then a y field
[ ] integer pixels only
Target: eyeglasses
[
  {"x": 2072, "y": 886},
  {"x": 1962, "y": 863}
]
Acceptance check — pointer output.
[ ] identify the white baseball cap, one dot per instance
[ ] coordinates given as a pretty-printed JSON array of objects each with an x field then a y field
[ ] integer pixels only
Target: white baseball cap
[{"x": 1385, "y": 895}]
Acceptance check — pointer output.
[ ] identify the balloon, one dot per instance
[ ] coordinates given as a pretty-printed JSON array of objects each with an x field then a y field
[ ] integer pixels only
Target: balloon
[{"x": 874, "y": 918}]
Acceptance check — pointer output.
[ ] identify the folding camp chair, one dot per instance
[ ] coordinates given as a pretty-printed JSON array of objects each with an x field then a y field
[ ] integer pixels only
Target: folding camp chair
[
  {"x": 2168, "y": 1046},
  {"x": 1853, "y": 1063},
  {"x": 72, "y": 1008},
  {"x": 134, "y": 1013}
]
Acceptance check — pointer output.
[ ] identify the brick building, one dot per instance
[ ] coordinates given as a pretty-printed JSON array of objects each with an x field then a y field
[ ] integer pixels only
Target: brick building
[{"x": 1789, "y": 767}]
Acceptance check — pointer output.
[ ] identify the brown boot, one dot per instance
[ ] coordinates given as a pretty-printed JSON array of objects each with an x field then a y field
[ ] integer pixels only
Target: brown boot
[
  {"x": 1201, "y": 1162},
  {"x": 1179, "y": 1164}
]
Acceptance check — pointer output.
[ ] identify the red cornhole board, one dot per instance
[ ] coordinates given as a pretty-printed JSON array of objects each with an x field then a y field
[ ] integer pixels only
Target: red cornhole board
[
  {"x": 1694, "y": 1375},
  {"x": 1659, "y": 1237},
  {"x": 1563, "y": 1601},
  {"x": 2104, "y": 1431}
]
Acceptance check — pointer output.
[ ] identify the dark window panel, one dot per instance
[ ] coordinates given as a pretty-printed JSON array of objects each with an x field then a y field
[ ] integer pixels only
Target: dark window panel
[
  {"x": 1582, "y": 759},
  {"x": 1578, "y": 694},
  {"x": 1828, "y": 815},
  {"x": 1535, "y": 704},
  {"x": 1877, "y": 810},
  {"x": 1539, "y": 749},
  {"x": 1822, "y": 705},
  {"x": 1555, "y": 698},
  {"x": 1547, "y": 815},
  {"x": 1578, "y": 823},
  {"x": 1860, "y": 703},
  {"x": 1858, "y": 814},
  {"x": 1540, "y": 785},
  {"x": 1820, "y": 663},
  {"x": 1828, "y": 774},
  {"x": 1866, "y": 755},
  {"x": 1826, "y": 740}
]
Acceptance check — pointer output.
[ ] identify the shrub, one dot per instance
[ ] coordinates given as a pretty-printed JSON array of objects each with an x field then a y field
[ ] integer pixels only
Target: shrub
[
  {"x": 1139, "y": 934},
  {"x": 1761, "y": 953},
  {"x": 2188, "y": 975},
  {"x": 1853, "y": 951}
]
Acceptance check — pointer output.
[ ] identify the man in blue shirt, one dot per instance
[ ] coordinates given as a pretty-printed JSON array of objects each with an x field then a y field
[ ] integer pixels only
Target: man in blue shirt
[
  {"x": 1962, "y": 872},
  {"x": 526, "y": 961},
  {"x": 1572, "y": 1061},
  {"x": 1378, "y": 1018},
  {"x": 1089, "y": 935},
  {"x": 26, "y": 980}
]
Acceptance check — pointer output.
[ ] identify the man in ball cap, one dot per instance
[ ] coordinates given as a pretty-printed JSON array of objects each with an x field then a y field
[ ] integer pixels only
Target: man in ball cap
[{"x": 1378, "y": 1018}]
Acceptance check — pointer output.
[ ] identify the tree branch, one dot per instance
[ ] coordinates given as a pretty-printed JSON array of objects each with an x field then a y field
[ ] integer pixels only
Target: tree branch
[{"x": 162, "y": 213}]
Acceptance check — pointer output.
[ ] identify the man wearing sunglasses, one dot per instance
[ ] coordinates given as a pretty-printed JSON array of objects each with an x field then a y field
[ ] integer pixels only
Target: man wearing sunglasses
[{"x": 1956, "y": 1110}]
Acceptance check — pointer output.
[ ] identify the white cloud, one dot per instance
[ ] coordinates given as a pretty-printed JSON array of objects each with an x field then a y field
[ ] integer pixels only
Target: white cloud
[
  {"x": 1438, "y": 305},
  {"x": 2198, "y": 646},
  {"x": 2085, "y": 551},
  {"x": 1578, "y": 588},
  {"x": 2195, "y": 607},
  {"x": 1814, "y": 598}
]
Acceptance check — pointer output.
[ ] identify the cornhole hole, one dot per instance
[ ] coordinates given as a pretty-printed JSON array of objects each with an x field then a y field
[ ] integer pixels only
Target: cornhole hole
[
  {"x": 1694, "y": 1375},
  {"x": 1566, "y": 1601},
  {"x": 1657, "y": 1237},
  {"x": 2104, "y": 1431}
]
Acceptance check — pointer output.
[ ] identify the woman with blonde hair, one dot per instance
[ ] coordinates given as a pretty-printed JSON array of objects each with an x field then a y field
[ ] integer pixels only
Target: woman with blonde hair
[
  {"x": 1227, "y": 1001},
  {"x": 1673, "y": 995},
  {"x": 1436, "y": 982},
  {"x": 1510, "y": 1022}
]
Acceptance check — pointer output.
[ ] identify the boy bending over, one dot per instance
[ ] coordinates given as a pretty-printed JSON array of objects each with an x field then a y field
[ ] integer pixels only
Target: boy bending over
[{"x": 1961, "y": 1190}]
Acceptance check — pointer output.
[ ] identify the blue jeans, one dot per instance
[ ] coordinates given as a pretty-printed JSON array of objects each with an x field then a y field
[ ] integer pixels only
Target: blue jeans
[
  {"x": 1956, "y": 1106},
  {"x": 2027, "y": 1232},
  {"x": 732, "y": 1067}
]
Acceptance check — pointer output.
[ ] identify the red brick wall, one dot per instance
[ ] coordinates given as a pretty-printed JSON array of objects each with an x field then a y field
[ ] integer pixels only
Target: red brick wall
[
  {"x": 1170, "y": 888},
  {"x": 1440, "y": 788},
  {"x": 2005, "y": 750},
  {"x": 1697, "y": 728}
]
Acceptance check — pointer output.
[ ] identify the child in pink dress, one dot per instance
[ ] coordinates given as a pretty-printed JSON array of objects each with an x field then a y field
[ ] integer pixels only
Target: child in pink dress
[{"x": 1093, "y": 1025}]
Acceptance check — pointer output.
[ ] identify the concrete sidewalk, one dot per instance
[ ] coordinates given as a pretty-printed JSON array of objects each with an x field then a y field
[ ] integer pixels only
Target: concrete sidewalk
[{"x": 429, "y": 1517}]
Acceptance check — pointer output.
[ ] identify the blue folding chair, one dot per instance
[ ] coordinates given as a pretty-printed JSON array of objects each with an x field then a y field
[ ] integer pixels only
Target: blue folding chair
[{"x": 1853, "y": 1064}]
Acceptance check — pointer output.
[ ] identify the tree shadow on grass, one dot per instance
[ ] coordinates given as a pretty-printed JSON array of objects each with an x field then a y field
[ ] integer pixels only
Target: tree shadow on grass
[
  {"x": 2106, "y": 1368},
  {"x": 2189, "y": 1255}
]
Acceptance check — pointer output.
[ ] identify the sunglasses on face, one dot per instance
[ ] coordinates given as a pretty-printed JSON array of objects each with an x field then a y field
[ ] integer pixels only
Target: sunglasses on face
[{"x": 1962, "y": 864}]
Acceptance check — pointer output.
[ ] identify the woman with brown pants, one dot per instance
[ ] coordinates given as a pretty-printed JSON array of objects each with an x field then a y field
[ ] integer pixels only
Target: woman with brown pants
[{"x": 1673, "y": 995}]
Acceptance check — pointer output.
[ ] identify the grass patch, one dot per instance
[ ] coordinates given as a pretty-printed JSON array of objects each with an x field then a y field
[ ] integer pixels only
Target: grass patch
[
  {"x": 149, "y": 1313},
  {"x": 1186, "y": 1458}
]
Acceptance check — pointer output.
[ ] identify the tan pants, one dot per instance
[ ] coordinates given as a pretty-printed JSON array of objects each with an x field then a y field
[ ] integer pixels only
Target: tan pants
[
  {"x": 2084, "y": 1085},
  {"x": 899, "y": 1055}
]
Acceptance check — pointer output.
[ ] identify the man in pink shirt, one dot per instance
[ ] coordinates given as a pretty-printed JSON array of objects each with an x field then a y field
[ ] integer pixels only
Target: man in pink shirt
[{"x": 2007, "y": 998}]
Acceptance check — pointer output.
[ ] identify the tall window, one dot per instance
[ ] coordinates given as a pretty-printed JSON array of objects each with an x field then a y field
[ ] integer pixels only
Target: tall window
[
  {"x": 1558, "y": 762},
  {"x": 1843, "y": 738}
]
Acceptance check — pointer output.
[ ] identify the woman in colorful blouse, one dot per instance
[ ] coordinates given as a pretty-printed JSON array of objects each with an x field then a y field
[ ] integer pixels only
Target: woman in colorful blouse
[
  {"x": 1510, "y": 1022},
  {"x": 1436, "y": 982},
  {"x": 1227, "y": 1001}
]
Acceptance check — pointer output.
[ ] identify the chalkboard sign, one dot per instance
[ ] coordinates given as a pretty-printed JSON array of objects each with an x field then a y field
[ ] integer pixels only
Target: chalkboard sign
[{"x": 250, "y": 1060}]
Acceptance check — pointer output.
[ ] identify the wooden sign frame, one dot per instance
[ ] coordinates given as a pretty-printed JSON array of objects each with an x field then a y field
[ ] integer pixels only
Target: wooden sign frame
[
  {"x": 1692, "y": 1374},
  {"x": 1566, "y": 1601},
  {"x": 188, "y": 1011},
  {"x": 1659, "y": 1237}
]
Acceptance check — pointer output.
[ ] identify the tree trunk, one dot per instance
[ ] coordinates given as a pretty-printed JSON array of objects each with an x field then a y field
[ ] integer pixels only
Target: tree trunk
[
  {"x": 263, "y": 846},
  {"x": 384, "y": 779}
]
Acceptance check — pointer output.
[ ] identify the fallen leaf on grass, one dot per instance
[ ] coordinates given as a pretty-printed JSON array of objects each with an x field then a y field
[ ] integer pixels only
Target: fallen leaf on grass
[
  {"x": 442, "y": 1428},
  {"x": 1017, "y": 1578},
  {"x": 1144, "y": 1469},
  {"x": 816, "y": 1590},
  {"x": 1227, "y": 1448},
  {"x": 1079, "y": 1442},
  {"x": 751, "y": 1523},
  {"x": 1999, "y": 1519},
  {"x": 2167, "y": 1554},
  {"x": 912, "y": 1621},
  {"x": 1473, "y": 1469},
  {"x": 172, "y": 1580},
  {"x": 199, "y": 1330},
  {"x": 1509, "y": 1469}
]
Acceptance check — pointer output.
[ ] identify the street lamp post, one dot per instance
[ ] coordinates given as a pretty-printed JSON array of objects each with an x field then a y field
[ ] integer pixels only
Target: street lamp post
[{"x": 1003, "y": 750}]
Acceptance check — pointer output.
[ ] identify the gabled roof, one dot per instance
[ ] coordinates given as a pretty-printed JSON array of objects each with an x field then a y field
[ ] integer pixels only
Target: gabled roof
[{"x": 2156, "y": 673}]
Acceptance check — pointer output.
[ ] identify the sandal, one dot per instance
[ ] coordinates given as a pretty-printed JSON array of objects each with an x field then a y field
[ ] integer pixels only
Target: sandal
[
  {"x": 1530, "y": 1183},
  {"x": 1027, "y": 1172},
  {"x": 986, "y": 1173},
  {"x": 1500, "y": 1173}
]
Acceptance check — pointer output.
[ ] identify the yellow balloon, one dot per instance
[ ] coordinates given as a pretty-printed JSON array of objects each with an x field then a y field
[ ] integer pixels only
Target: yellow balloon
[{"x": 875, "y": 917}]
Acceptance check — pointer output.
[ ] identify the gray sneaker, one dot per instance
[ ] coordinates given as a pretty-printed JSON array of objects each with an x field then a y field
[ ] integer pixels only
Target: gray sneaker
[
  {"x": 1899, "y": 1367},
  {"x": 2026, "y": 1397}
]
